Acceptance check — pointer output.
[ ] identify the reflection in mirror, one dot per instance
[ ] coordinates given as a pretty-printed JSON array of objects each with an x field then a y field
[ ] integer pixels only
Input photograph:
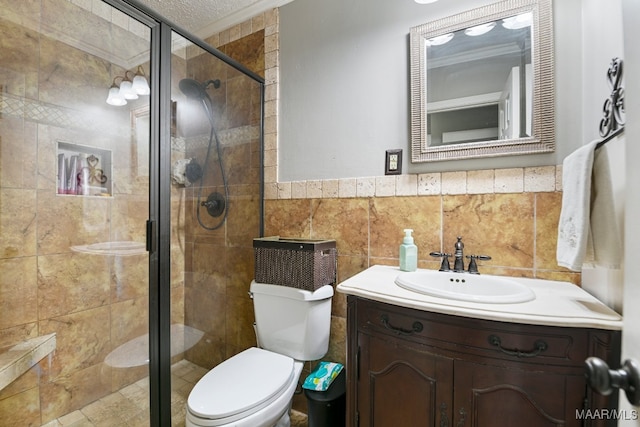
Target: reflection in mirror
[
  {"x": 478, "y": 80},
  {"x": 140, "y": 128}
]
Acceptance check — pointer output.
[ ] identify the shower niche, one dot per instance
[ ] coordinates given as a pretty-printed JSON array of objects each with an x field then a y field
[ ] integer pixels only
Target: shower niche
[{"x": 83, "y": 170}]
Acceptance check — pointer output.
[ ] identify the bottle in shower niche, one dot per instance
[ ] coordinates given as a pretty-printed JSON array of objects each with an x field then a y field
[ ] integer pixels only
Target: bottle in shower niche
[{"x": 408, "y": 252}]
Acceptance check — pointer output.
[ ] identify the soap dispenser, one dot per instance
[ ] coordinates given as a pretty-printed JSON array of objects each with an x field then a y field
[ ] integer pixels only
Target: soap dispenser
[{"x": 408, "y": 252}]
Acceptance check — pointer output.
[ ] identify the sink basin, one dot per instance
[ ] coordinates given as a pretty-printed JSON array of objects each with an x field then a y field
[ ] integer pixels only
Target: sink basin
[{"x": 465, "y": 287}]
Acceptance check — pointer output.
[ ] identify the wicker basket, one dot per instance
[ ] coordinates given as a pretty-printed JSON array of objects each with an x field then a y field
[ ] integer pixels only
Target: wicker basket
[{"x": 297, "y": 263}]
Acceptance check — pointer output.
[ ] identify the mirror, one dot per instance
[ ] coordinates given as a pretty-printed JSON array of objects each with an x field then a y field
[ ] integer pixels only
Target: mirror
[{"x": 482, "y": 83}]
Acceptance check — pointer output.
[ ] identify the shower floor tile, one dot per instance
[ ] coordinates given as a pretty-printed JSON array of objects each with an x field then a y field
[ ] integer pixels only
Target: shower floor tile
[{"x": 129, "y": 407}]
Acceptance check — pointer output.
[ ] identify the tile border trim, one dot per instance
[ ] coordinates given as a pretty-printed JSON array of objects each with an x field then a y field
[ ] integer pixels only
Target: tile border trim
[{"x": 538, "y": 179}]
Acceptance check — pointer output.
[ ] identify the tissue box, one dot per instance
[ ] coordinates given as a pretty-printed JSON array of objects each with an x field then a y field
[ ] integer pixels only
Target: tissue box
[{"x": 297, "y": 263}]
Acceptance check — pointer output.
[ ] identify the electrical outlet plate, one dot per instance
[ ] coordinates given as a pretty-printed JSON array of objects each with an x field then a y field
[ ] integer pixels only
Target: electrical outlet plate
[{"x": 393, "y": 162}]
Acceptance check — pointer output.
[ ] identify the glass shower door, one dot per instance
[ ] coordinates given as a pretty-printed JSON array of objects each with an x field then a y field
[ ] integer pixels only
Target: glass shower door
[
  {"x": 74, "y": 201},
  {"x": 216, "y": 205}
]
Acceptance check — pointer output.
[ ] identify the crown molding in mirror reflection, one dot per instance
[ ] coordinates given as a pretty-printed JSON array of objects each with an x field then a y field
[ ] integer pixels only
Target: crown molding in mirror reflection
[{"x": 537, "y": 136}]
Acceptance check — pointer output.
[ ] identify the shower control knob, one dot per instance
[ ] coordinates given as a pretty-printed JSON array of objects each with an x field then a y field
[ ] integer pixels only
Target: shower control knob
[
  {"x": 215, "y": 204},
  {"x": 605, "y": 380}
]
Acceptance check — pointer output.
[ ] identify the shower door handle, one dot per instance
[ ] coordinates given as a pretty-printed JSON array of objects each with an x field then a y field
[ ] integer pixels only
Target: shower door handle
[{"x": 151, "y": 236}]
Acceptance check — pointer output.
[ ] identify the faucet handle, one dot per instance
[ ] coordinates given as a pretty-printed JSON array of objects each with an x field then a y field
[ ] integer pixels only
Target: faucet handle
[
  {"x": 473, "y": 266},
  {"x": 444, "y": 266}
]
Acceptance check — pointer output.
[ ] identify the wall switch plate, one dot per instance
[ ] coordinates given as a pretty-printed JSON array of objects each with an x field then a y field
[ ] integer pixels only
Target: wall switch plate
[{"x": 393, "y": 162}]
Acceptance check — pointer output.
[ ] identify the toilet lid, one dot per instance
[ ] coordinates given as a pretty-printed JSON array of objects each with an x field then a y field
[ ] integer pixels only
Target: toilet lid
[{"x": 246, "y": 382}]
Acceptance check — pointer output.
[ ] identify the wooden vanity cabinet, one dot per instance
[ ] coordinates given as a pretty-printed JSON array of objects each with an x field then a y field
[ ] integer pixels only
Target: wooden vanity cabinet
[{"x": 413, "y": 368}]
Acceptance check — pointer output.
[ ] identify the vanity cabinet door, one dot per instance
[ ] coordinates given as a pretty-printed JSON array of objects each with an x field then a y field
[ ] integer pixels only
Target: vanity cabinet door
[
  {"x": 402, "y": 384},
  {"x": 506, "y": 394},
  {"x": 415, "y": 368}
]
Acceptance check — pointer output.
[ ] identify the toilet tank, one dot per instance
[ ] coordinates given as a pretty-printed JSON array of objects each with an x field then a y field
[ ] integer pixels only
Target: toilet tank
[{"x": 291, "y": 321}]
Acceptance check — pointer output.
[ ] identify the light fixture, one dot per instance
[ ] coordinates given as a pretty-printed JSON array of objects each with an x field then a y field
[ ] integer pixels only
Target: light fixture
[
  {"x": 140, "y": 84},
  {"x": 115, "y": 97},
  {"x": 439, "y": 40},
  {"x": 479, "y": 30},
  {"x": 425, "y": 1},
  {"x": 518, "y": 21},
  {"x": 126, "y": 88}
]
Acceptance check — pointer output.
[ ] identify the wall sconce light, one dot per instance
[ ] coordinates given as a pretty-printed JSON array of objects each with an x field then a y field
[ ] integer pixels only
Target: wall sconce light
[
  {"x": 115, "y": 97},
  {"x": 140, "y": 83},
  {"x": 128, "y": 88}
]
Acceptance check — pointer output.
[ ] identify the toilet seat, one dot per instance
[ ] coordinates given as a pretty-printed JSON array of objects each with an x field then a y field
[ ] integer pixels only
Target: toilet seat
[{"x": 241, "y": 386}]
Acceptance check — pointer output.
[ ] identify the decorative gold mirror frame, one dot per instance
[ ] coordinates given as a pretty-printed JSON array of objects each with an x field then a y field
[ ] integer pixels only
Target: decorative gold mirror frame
[{"x": 543, "y": 135}]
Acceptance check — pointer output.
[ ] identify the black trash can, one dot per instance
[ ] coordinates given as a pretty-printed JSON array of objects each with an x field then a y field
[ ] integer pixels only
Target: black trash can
[{"x": 328, "y": 408}]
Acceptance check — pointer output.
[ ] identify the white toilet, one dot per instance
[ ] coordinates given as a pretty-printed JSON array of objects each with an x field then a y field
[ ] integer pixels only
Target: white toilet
[{"x": 255, "y": 388}]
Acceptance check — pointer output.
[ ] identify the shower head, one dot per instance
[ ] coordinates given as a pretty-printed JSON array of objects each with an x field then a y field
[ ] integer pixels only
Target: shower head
[
  {"x": 193, "y": 89},
  {"x": 196, "y": 90}
]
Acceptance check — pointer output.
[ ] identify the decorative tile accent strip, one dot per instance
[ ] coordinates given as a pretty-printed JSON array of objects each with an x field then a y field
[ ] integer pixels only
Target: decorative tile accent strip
[
  {"x": 55, "y": 115},
  {"x": 179, "y": 144},
  {"x": 518, "y": 180},
  {"x": 229, "y": 137},
  {"x": 40, "y": 112},
  {"x": 540, "y": 179},
  {"x": 509, "y": 180}
]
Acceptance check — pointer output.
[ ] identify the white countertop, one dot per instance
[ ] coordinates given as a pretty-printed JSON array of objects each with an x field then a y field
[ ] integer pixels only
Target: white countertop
[{"x": 556, "y": 303}]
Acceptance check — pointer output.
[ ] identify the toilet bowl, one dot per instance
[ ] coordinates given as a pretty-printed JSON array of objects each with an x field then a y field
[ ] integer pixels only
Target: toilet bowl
[
  {"x": 254, "y": 388},
  {"x": 251, "y": 389}
]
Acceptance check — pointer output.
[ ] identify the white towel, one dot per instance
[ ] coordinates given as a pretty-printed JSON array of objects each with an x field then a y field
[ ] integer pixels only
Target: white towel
[{"x": 588, "y": 230}]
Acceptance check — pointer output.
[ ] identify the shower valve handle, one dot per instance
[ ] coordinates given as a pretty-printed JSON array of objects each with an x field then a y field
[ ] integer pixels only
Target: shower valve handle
[{"x": 215, "y": 204}]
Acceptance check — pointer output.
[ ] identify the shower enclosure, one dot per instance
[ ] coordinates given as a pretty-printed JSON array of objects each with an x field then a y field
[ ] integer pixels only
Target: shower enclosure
[{"x": 130, "y": 192}]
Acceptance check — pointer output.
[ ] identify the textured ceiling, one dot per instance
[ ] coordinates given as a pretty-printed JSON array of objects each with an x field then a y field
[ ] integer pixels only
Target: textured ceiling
[{"x": 206, "y": 17}]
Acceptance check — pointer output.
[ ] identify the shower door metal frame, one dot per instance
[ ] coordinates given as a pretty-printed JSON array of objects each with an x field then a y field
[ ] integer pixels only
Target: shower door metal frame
[{"x": 159, "y": 222}]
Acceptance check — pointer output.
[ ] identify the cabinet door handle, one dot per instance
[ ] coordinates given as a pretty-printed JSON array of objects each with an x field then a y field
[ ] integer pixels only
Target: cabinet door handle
[
  {"x": 605, "y": 380},
  {"x": 416, "y": 327},
  {"x": 539, "y": 345}
]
